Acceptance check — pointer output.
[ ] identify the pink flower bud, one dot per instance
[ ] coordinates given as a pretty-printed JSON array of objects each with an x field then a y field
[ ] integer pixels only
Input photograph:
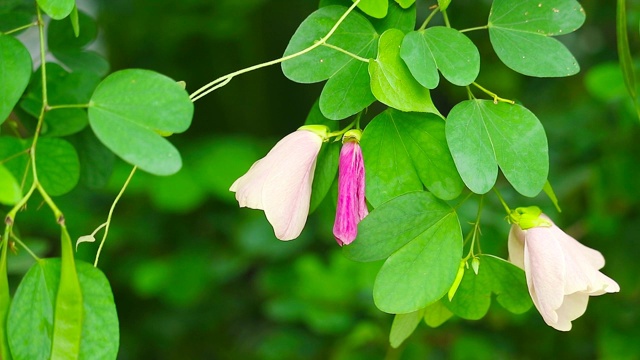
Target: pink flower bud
[
  {"x": 561, "y": 273},
  {"x": 351, "y": 207},
  {"x": 280, "y": 183}
]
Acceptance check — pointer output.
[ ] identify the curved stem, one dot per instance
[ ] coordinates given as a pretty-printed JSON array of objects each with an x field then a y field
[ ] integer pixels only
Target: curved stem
[
  {"x": 67, "y": 106},
  {"x": 35, "y": 23},
  {"x": 475, "y": 28},
  {"x": 108, "y": 222},
  {"x": 495, "y": 97},
  {"x": 428, "y": 19},
  {"x": 504, "y": 204},
  {"x": 203, "y": 91},
  {"x": 16, "y": 239},
  {"x": 446, "y": 19}
]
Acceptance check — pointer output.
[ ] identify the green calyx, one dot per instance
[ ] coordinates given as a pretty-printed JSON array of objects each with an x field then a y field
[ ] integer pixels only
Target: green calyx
[
  {"x": 320, "y": 130},
  {"x": 528, "y": 217},
  {"x": 352, "y": 135}
]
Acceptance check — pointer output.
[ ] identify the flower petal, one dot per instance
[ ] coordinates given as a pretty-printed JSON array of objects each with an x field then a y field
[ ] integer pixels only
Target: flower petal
[
  {"x": 573, "y": 307},
  {"x": 516, "y": 246},
  {"x": 545, "y": 271},
  {"x": 351, "y": 207}
]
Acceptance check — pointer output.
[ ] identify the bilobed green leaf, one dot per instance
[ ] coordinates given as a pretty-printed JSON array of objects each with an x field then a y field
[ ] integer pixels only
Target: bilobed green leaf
[
  {"x": 483, "y": 135},
  {"x": 30, "y": 322},
  {"x": 374, "y": 8},
  {"x": 436, "y": 314},
  {"x": 405, "y": 3},
  {"x": 444, "y": 48},
  {"x": 392, "y": 82},
  {"x": 57, "y": 9},
  {"x": 421, "y": 237},
  {"x": 15, "y": 71},
  {"x": 348, "y": 91},
  {"x": 495, "y": 275},
  {"x": 403, "y": 150},
  {"x": 10, "y": 192},
  {"x": 520, "y": 34},
  {"x": 57, "y": 165},
  {"x": 403, "y": 326},
  {"x": 130, "y": 107}
]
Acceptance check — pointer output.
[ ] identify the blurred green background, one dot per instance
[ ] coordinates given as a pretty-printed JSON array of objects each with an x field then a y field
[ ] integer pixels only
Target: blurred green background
[{"x": 195, "y": 277}]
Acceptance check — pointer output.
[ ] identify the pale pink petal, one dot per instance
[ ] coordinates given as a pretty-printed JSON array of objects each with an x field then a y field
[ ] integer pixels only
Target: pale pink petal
[
  {"x": 573, "y": 307},
  {"x": 516, "y": 246},
  {"x": 545, "y": 270},
  {"x": 286, "y": 193},
  {"x": 280, "y": 183}
]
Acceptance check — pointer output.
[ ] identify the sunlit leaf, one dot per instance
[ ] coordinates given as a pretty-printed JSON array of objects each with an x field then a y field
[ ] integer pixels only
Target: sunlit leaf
[
  {"x": 392, "y": 82},
  {"x": 15, "y": 71},
  {"x": 127, "y": 110},
  {"x": 495, "y": 275},
  {"x": 374, "y": 8},
  {"x": 443, "y": 48},
  {"x": 437, "y": 314},
  {"x": 57, "y": 9},
  {"x": 405, "y": 150},
  {"x": 422, "y": 239},
  {"x": 403, "y": 19},
  {"x": 483, "y": 135},
  {"x": 520, "y": 34},
  {"x": 10, "y": 192}
]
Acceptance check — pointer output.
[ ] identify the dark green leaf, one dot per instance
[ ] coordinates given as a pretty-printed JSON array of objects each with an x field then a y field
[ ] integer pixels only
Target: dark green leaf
[
  {"x": 13, "y": 155},
  {"x": 495, "y": 275},
  {"x": 83, "y": 60},
  {"x": 31, "y": 315},
  {"x": 13, "y": 20},
  {"x": 483, "y": 135},
  {"x": 402, "y": 150},
  {"x": 403, "y": 326},
  {"x": 624, "y": 54},
  {"x": 406, "y": 3},
  {"x": 57, "y": 165},
  {"x": 128, "y": 111},
  {"x": 15, "y": 71},
  {"x": 391, "y": 80},
  {"x": 447, "y": 49},
  {"x": 520, "y": 34},
  {"x": 57, "y": 9},
  {"x": 96, "y": 161},
  {"x": 61, "y": 36}
]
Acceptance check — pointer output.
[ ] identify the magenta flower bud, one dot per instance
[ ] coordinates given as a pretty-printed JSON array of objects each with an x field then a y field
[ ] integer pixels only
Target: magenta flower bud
[{"x": 351, "y": 207}]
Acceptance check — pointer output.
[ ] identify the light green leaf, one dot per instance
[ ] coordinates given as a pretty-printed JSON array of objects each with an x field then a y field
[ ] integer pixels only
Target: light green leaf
[
  {"x": 391, "y": 80},
  {"x": 15, "y": 71},
  {"x": 405, "y": 150},
  {"x": 10, "y": 192},
  {"x": 520, "y": 34},
  {"x": 57, "y": 9},
  {"x": 403, "y": 19},
  {"x": 444, "y": 48},
  {"x": 130, "y": 107},
  {"x": 374, "y": 8},
  {"x": 405, "y": 3},
  {"x": 495, "y": 275},
  {"x": 57, "y": 165},
  {"x": 30, "y": 322},
  {"x": 403, "y": 326},
  {"x": 436, "y": 314},
  {"x": 483, "y": 135},
  {"x": 348, "y": 91},
  {"x": 548, "y": 189},
  {"x": 422, "y": 239},
  {"x": 443, "y": 4}
]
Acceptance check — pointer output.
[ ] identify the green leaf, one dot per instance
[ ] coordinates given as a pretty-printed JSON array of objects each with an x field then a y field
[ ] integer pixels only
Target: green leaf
[
  {"x": 57, "y": 9},
  {"x": 422, "y": 239},
  {"x": 130, "y": 107},
  {"x": 495, "y": 275},
  {"x": 443, "y": 4},
  {"x": 84, "y": 60},
  {"x": 61, "y": 36},
  {"x": 405, "y": 3},
  {"x": 10, "y": 192},
  {"x": 30, "y": 323},
  {"x": 402, "y": 151},
  {"x": 436, "y": 314},
  {"x": 444, "y": 48},
  {"x": 75, "y": 21},
  {"x": 374, "y": 8},
  {"x": 520, "y": 35},
  {"x": 624, "y": 54},
  {"x": 348, "y": 91},
  {"x": 403, "y": 326},
  {"x": 552, "y": 195},
  {"x": 14, "y": 155},
  {"x": 14, "y": 19},
  {"x": 327, "y": 161},
  {"x": 96, "y": 161},
  {"x": 483, "y": 135},
  {"x": 392, "y": 82},
  {"x": 403, "y": 19},
  {"x": 68, "y": 308},
  {"x": 57, "y": 165},
  {"x": 15, "y": 71}
]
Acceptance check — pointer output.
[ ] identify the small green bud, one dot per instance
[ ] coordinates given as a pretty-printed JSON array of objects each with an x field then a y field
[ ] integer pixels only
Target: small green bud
[
  {"x": 528, "y": 217},
  {"x": 320, "y": 130},
  {"x": 352, "y": 135}
]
